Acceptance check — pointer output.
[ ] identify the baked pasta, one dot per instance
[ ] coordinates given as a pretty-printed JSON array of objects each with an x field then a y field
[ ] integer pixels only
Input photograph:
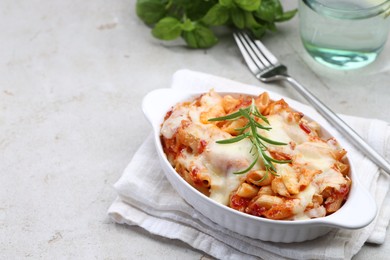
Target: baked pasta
[{"x": 314, "y": 183}]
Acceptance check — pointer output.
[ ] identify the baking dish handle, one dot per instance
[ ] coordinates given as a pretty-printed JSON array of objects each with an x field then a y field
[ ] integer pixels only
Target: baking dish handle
[{"x": 358, "y": 211}]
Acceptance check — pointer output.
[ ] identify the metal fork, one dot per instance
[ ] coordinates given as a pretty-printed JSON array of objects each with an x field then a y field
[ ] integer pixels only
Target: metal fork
[{"x": 266, "y": 67}]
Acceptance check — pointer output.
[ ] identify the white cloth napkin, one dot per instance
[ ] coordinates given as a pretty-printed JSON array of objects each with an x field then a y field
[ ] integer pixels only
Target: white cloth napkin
[{"x": 146, "y": 198}]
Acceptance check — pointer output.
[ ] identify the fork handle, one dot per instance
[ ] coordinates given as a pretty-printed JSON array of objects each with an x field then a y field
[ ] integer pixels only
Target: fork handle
[{"x": 340, "y": 125}]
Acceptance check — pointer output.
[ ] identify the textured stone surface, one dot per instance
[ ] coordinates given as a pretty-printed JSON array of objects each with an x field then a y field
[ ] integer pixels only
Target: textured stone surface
[{"x": 73, "y": 74}]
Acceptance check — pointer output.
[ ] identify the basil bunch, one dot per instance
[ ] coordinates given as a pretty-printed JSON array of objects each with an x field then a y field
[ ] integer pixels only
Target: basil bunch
[{"x": 193, "y": 19}]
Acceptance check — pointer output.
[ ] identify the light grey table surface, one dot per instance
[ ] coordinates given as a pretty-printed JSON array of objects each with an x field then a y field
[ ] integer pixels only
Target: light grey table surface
[{"x": 72, "y": 77}]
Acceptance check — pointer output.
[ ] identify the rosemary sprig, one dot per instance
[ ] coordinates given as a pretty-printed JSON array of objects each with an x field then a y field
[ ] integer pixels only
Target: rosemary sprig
[{"x": 258, "y": 141}]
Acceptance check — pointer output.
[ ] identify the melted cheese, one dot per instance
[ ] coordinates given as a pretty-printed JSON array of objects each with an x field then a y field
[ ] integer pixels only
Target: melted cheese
[
  {"x": 283, "y": 130},
  {"x": 305, "y": 198},
  {"x": 219, "y": 162},
  {"x": 225, "y": 160},
  {"x": 316, "y": 155},
  {"x": 174, "y": 121},
  {"x": 329, "y": 178}
]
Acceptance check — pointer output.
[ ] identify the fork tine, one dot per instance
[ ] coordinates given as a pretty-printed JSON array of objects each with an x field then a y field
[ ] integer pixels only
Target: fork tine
[
  {"x": 259, "y": 56},
  {"x": 256, "y": 55},
  {"x": 246, "y": 53},
  {"x": 266, "y": 53},
  {"x": 256, "y": 51}
]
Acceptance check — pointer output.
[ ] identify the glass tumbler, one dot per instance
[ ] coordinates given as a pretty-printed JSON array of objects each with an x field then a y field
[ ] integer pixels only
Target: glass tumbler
[{"x": 344, "y": 34}]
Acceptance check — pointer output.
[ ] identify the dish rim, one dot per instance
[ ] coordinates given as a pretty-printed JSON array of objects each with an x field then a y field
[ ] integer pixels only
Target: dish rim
[{"x": 174, "y": 96}]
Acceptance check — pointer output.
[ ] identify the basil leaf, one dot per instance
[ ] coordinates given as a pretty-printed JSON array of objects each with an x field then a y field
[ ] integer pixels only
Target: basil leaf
[
  {"x": 195, "y": 10},
  {"x": 200, "y": 37},
  {"x": 248, "y": 5},
  {"x": 250, "y": 21},
  {"x": 217, "y": 15},
  {"x": 150, "y": 11},
  {"x": 286, "y": 16},
  {"x": 168, "y": 28},
  {"x": 227, "y": 3},
  {"x": 277, "y": 6},
  {"x": 193, "y": 19},
  {"x": 238, "y": 17},
  {"x": 258, "y": 32},
  {"x": 188, "y": 25},
  {"x": 272, "y": 27},
  {"x": 268, "y": 10}
]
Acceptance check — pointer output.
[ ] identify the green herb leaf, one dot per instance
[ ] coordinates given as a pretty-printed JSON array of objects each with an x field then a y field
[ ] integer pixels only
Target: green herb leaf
[
  {"x": 242, "y": 129},
  {"x": 276, "y": 161},
  {"x": 258, "y": 125},
  {"x": 168, "y": 28},
  {"x": 227, "y": 3},
  {"x": 270, "y": 141},
  {"x": 200, "y": 37},
  {"x": 193, "y": 20},
  {"x": 188, "y": 25},
  {"x": 227, "y": 117},
  {"x": 258, "y": 32},
  {"x": 238, "y": 17},
  {"x": 249, "y": 167},
  {"x": 248, "y": 5},
  {"x": 217, "y": 15},
  {"x": 150, "y": 11},
  {"x": 195, "y": 10},
  {"x": 268, "y": 10},
  {"x": 272, "y": 27},
  {"x": 250, "y": 21},
  {"x": 286, "y": 16},
  {"x": 234, "y": 139}
]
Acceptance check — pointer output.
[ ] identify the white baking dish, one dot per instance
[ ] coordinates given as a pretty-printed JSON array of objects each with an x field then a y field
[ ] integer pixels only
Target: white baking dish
[{"x": 357, "y": 212}]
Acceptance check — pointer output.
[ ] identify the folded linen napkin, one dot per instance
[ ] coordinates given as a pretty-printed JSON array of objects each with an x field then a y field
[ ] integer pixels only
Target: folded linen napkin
[{"x": 163, "y": 212}]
